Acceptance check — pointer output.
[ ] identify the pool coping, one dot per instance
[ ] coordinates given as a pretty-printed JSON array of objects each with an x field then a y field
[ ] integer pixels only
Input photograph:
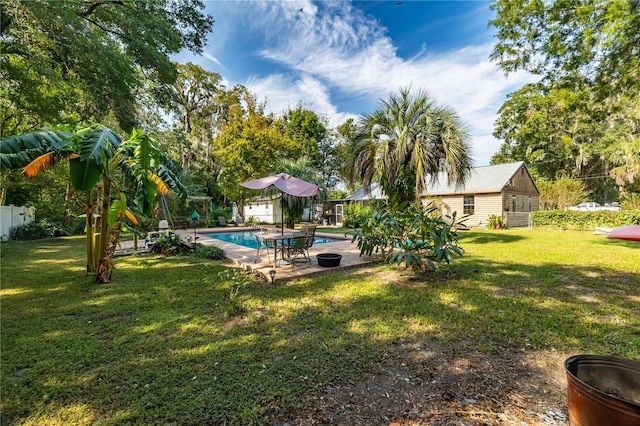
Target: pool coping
[{"x": 244, "y": 257}]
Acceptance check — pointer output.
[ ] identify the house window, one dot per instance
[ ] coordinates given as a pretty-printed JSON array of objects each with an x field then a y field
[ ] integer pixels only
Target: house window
[
  {"x": 530, "y": 203},
  {"x": 514, "y": 203},
  {"x": 468, "y": 204}
]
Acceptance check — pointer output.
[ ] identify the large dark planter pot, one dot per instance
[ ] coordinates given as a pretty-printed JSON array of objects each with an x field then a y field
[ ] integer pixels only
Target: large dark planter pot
[
  {"x": 329, "y": 260},
  {"x": 603, "y": 390}
]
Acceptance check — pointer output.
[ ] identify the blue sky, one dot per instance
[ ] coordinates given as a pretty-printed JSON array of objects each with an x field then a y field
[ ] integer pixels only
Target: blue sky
[{"x": 339, "y": 58}]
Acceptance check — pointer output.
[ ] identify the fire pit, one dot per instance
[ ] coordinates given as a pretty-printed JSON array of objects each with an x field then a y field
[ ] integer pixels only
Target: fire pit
[
  {"x": 329, "y": 260},
  {"x": 603, "y": 390}
]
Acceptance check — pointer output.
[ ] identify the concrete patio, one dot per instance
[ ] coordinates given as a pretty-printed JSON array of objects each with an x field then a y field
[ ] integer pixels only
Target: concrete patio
[{"x": 244, "y": 257}]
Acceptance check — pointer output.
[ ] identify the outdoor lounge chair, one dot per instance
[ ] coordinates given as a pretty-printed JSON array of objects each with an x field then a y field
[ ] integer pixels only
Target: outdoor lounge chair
[
  {"x": 240, "y": 221},
  {"x": 223, "y": 222}
]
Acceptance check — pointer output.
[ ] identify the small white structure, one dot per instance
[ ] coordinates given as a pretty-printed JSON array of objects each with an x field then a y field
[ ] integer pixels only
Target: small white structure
[
  {"x": 11, "y": 216},
  {"x": 266, "y": 211}
]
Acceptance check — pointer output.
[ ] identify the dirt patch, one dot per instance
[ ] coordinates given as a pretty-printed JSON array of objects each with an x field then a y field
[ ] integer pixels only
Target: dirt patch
[{"x": 427, "y": 385}]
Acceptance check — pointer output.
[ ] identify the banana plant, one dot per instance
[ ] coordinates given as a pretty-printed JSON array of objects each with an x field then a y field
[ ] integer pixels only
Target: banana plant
[{"x": 93, "y": 153}]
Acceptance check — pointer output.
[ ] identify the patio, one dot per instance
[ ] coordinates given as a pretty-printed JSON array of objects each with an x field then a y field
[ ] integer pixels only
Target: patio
[{"x": 244, "y": 257}]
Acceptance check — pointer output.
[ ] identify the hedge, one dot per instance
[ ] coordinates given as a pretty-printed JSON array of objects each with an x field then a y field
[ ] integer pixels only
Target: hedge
[{"x": 584, "y": 221}]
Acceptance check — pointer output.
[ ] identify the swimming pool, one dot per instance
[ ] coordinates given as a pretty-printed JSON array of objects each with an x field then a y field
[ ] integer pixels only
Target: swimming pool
[{"x": 248, "y": 239}]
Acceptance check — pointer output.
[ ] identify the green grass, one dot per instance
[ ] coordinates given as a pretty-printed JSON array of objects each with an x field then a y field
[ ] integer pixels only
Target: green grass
[{"x": 157, "y": 346}]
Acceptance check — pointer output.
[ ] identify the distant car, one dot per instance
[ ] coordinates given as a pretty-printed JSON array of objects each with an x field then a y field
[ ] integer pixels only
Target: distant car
[{"x": 590, "y": 206}]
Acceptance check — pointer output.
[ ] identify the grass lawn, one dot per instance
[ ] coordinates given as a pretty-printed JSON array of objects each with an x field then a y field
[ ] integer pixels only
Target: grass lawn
[{"x": 156, "y": 346}]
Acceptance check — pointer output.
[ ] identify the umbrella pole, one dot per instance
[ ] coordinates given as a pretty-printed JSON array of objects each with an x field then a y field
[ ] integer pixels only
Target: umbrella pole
[{"x": 282, "y": 211}]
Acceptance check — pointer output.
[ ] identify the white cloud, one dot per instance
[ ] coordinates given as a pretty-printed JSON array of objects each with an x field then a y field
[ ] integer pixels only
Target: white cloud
[
  {"x": 333, "y": 49},
  {"x": 285, "y": 91}
]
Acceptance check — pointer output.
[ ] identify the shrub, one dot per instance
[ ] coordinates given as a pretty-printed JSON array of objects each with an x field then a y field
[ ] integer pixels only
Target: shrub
[
  {"x": 170, "y": 245},
  {"x": 496, "y": 222},
  {"x": 38, "y": 230},
  {"x": 631, "y": 202},
  {"x": 210, "y": 252},
  {"x": 355, "y": 214},
  {"x": 584, "y": 221},
  {"x": 415, "y": 235}
]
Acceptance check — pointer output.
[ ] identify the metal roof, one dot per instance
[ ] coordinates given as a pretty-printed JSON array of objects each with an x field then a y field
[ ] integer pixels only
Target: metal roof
[
  {"x": 485, "y": 179},
  {"x": 362, "y": 195},
  {"x": 481, "y": 180}
]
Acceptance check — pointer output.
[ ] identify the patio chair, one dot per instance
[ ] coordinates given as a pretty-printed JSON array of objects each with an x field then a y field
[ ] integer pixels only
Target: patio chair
[
  {"x": 223, "y": 222},
  {"x": 263, "y": 245},
  {"x": 310, "y": 231},
  {"x": 298, "y": 247},
  {"x": 240, "y": 221}
]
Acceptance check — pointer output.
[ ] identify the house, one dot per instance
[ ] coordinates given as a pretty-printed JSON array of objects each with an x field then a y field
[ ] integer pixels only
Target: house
[{"x": 506, "y": 190}]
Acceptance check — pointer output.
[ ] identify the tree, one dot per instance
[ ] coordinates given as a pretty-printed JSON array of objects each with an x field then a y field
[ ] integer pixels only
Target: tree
[
  {"x": 80, "y": 61},
  {"x": 344, "y": 151},
  {"x": 247, "y": 147},
  {"x": 591, "y": 42},
  {"x": 293, "y": 206},
  {"x": 195, "y": 100},
  {"x": 307, "y": 130},
  {"x": 407, "y": 138},
  {"x": 561, "y": 193},
  {"x": 585, "y": 108},
  {"x": 93, "y": 153}
]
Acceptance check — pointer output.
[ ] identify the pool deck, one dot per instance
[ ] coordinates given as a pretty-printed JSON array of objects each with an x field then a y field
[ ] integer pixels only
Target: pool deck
[{"x": 244, "y": 257}]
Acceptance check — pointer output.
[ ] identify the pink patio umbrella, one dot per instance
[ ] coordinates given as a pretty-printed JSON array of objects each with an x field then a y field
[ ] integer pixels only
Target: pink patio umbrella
[
  {"x": 630, "y": 233},
  {"x": 286, "y": 184}
]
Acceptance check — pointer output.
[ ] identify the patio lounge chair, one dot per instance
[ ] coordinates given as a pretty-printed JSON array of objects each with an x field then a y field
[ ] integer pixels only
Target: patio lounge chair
[{"x": 223, "y": 222}]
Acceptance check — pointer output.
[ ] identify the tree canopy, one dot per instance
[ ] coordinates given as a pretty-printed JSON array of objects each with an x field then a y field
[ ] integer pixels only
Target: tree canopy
[
  {"x": 582, "y": 117},
  {"x": 593, "y": 42},
  {"x": 406, "y": 139},
  {"x": 64, "y": 61}
]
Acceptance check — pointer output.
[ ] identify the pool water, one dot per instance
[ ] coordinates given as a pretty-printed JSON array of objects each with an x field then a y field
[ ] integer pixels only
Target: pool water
[{"x": 248, "y": 239}]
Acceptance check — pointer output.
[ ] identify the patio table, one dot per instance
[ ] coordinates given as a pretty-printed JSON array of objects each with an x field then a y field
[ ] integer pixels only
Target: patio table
[{"x": 278, "y": 239}]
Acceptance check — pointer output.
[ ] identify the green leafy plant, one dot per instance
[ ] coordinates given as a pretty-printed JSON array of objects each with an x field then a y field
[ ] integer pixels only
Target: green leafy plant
[
  {"x": 170, "y": 245},
  {"x": 355, "y": 214},
  {"x": 37, "y": 230},
  {"x": 496, "y": 222},
  {"x": 584, "y": 221},
  {"x": 93, "y": 153},
  {"x": 236, "y": 280},
  {"x": 210, "y": 252},
  {"x": 413, "y": 234}
]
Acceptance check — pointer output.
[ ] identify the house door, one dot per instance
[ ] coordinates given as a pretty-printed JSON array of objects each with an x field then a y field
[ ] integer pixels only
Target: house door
[{"x": 338, "y": 214}]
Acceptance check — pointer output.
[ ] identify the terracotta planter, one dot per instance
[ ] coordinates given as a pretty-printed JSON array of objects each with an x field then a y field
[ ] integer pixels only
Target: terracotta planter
[{"x": 603, "y": 390}]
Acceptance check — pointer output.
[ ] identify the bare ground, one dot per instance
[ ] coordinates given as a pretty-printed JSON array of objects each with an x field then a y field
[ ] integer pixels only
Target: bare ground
[{"x": 427, "y": 385}]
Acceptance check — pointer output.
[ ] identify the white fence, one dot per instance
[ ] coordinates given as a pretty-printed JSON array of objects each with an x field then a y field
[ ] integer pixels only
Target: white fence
[{"x": 14, "y": 216}]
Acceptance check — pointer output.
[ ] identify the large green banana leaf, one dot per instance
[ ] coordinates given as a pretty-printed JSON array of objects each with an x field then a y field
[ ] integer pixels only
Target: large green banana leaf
[{"x": 84, "y": 175}]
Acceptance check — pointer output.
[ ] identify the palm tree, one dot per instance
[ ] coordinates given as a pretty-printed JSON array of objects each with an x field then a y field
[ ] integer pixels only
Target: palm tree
[
  {"x": 406, "y": 139},
  {"x": 93, "y": 152},
  {"x": 301, "y": 168}
]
